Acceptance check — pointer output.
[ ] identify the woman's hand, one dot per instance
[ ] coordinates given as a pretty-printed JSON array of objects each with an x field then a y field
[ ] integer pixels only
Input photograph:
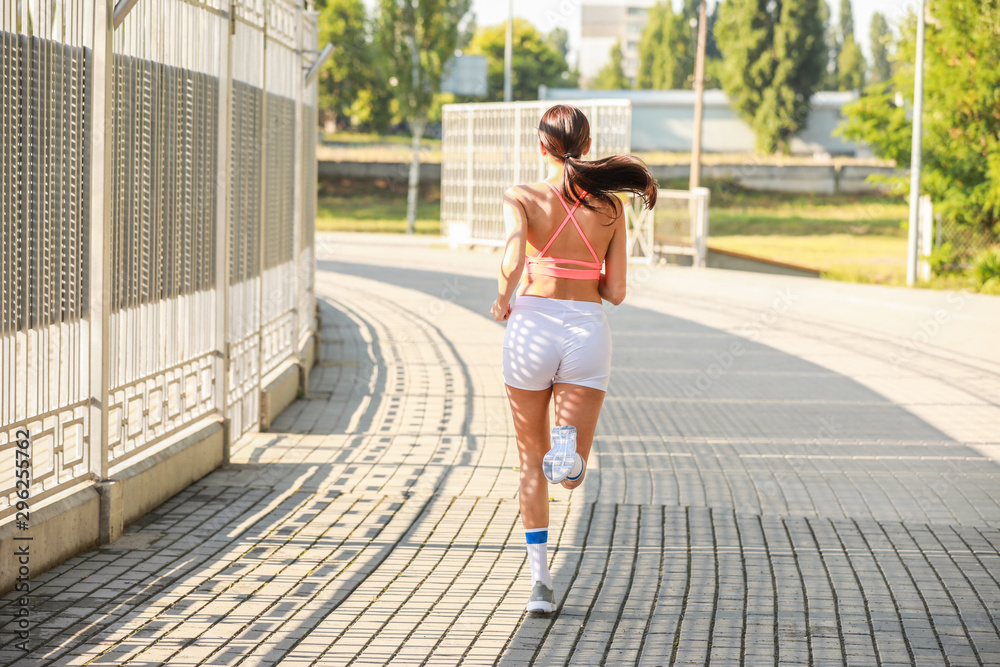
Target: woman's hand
[{"x": 500, "y": 311}]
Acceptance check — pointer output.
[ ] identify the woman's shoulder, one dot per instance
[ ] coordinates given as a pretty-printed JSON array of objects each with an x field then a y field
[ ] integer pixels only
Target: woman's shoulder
[
  {"x": 526, "y": 189},
  {"x": 526, "y": 194}
]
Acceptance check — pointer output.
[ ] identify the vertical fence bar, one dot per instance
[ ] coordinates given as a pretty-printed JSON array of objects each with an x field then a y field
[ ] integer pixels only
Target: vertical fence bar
[
  {"x": 222, "y": 249},
  {"x": 101, "y": 193},
  {"x": 262, "y": 239},
  {"x": 296, "y": 202}
]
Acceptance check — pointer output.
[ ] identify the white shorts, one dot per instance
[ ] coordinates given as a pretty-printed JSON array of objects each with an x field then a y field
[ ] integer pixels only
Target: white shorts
[{"x": 553, "y": 340}]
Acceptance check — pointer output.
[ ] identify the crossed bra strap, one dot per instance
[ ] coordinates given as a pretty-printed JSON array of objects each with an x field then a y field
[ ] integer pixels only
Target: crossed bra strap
[{"x": 545, "y": 266}]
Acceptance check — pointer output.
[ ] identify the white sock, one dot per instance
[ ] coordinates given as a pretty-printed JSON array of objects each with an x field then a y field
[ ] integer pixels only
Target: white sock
[
  {"x": 537, "y": 539},
  {"x": 577, "y": 470}
]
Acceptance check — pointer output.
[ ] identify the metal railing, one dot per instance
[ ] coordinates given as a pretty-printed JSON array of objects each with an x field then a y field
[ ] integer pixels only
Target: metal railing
[
  {"x": 157, "y": 224},
  {"x": 677, "y": 225}
]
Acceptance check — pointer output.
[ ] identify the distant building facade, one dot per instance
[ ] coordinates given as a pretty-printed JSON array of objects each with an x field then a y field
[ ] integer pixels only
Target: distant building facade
[
  {"x": 604, "y": 22},
  {"x": 663, "y": 120}
]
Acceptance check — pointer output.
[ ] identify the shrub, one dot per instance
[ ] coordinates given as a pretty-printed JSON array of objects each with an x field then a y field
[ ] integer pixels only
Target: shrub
[
  {"x": 943, "y": 259},
  {"x": 986, "y": 267}
]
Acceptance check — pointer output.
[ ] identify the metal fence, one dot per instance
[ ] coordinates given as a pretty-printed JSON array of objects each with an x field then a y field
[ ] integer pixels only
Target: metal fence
[
  {"x": 934, "y": 231},
  {"x": 157, "y": 224},
  {"x": 677, "y": 225},
  {"x": 487, "y": 148}
]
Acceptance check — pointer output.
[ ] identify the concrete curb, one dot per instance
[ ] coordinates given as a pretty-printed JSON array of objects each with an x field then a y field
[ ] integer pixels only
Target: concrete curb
[{"x": 58, "y": 531}]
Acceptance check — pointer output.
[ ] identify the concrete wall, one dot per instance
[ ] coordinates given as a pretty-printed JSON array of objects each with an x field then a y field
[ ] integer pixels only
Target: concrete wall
[
  {"x": 827, "y": 179},
  {"x": 429, "y": 172}
]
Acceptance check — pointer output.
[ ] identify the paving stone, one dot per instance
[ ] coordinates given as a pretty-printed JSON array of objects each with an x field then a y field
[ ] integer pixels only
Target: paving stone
[{"x": 807, "y": 499}]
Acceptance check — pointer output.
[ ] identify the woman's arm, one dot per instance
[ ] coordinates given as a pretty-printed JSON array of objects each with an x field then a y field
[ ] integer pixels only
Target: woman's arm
[
  {"x": 612, "y": 284},
  {"x": 516, "y": 223}
]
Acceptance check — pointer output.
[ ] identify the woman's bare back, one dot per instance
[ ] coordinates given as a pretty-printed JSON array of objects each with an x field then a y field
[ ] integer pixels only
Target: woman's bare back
[{"x": 544, "y": 214}]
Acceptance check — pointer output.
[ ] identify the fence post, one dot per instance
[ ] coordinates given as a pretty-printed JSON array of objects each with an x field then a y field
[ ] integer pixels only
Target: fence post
[
  {"x": 300, "y": 17},
  {"x": 101, "y": 192},
  {"x": 262, "y": 235},
  {"x": 470, "y": 154},
  {"x": 222, "y": 249},
  {"x": 701, "y": 196},
  {"x": 926, "y": 235}
]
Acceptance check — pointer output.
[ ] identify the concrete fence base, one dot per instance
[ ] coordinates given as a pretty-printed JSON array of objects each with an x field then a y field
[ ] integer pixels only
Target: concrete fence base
[
  {"x": 99, "y": 513},
  {"x": 823, "y": 179}
]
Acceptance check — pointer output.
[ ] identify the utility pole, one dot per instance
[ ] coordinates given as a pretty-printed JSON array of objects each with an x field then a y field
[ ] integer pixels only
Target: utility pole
[
  {"x": 915, "y": 156},
  {"x": 508, "y": 54},
  {"x": 699, "y": 95}
]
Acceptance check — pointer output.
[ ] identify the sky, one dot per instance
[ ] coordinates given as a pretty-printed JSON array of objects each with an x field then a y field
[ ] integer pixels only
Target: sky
[{"x": 549, "y": 14}]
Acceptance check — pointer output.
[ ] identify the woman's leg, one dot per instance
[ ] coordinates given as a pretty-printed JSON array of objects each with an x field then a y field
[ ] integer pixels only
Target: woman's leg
[
  {"x": 578, "y": 406},
  {"x": 531, "y": 423}
]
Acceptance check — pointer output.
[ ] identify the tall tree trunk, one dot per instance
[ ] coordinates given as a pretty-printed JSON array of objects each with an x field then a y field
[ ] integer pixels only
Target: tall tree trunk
[{"x": 417, "y": 126}]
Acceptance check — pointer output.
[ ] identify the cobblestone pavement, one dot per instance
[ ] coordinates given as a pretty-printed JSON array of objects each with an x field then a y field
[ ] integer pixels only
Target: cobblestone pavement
[{"x": 787, "y": 472}]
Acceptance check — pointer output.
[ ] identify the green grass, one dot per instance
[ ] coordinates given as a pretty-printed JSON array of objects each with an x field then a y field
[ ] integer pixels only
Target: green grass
[
  {"x": 357, "y": 206},
  {"x": 845, "y": 236}
]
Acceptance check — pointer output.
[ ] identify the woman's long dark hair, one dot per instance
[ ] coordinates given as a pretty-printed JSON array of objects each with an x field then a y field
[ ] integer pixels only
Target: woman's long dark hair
[{"x": 564, "y": 132}]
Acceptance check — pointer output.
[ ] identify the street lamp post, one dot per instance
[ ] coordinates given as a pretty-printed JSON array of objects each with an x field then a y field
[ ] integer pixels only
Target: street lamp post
[
  {"x": 699, "y": 97},
  {"x": 915, "y": 161}
]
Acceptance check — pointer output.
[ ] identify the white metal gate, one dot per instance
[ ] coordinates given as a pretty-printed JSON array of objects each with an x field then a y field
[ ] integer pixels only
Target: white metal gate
[{"x": 156, "y": 262}]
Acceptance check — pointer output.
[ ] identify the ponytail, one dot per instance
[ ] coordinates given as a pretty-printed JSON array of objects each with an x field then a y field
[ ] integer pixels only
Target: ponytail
[
  {"x": 601, "y": 179},
  {"x": 565, "y": 131}
]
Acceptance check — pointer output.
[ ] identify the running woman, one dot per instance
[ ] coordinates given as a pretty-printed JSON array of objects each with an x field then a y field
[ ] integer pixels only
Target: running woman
[{"x": 560, "y": 233}]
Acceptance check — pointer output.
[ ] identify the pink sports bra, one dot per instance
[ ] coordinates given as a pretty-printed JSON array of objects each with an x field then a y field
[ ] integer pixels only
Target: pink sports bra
[{"x": 545, "y": 266}]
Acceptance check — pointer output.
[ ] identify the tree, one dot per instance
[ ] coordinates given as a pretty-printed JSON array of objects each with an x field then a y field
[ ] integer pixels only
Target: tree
[
  {"x": 851, "y": 64},
  {"x": 558, "y": 39},
  {"x": 416, "y": 38},
  {"x": 880, "y": 39},
  {"x": 612, "y": 75},
  {"x": 774, "y": 59},
  {"x": 961, "y": 133},
  {"x": 666, "y": 53},
  {"x": 830, "y": 36},
  {"x": 347, "y": 87},
  {"x": 846, "y": 20},
  {"x": 712, "y": 51},
  {"x": 535, "y": 62}
]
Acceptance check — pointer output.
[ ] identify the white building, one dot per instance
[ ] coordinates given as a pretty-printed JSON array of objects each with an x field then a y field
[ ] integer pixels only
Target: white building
[{"x": 604, "y": 22}]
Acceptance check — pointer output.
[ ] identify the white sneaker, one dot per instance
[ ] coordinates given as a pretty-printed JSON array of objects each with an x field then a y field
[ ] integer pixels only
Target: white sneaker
[
  {"x": 542, "y": 600},
  {"x": 559, "y": 460},
  {"x": 579, "y": 462}
]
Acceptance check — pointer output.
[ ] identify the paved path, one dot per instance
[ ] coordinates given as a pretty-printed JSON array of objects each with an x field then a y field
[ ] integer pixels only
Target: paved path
[{"x": 787, "y": 472}]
